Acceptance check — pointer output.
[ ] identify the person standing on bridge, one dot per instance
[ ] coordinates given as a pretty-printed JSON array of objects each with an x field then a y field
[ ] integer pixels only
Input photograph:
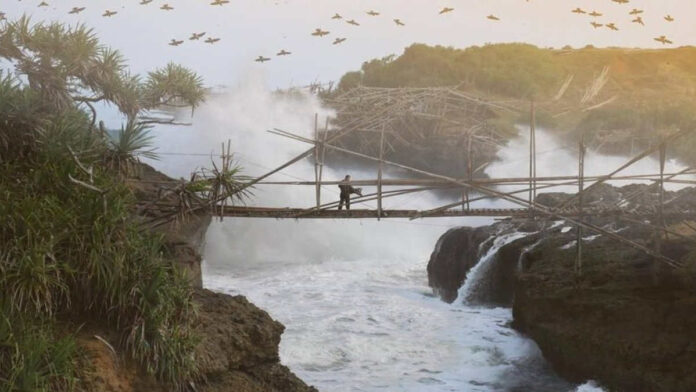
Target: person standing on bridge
[{"x": 346, "y": 191}]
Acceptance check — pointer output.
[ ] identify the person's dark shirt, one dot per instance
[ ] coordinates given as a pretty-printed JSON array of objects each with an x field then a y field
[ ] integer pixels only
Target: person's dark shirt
[{"x": 346, "y": 189}]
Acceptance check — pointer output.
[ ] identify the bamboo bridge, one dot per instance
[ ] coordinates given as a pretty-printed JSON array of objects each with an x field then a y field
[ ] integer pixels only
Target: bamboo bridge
[{"x": 378, "y": 121}]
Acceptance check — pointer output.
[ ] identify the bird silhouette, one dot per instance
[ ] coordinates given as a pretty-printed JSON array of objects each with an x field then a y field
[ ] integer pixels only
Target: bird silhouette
[
  {"x": 578, "y": 11},
  {"x": 338, "y": 41},
  {"x": 638, "y": 20},
  {"x": 372, "y": 13},
  {"x": 612, "y": 26},
  {"x": 446, "y": 10},
  {"x": 174, "y": 42},
  {"x": 219, "y": 2},
  {"x": 596, "y": 25},
  {"x": 43, "y": 4},
  {"x": 492, "y": 17},
  {"x": 166, "y": 7},
  {"x": 399, "y": 22},
  {"x": 211, "y": 40},
  {"x": 108, "y": 13},
  {"x": 262, "y": 59},
  {"x": 320, "y": 33},
  {"x": 337, "y": 16},
  {"x": 620, "y": 1},
  {"x": 662, "y": 39},
  {"x": 353, "y": 22},
  {"x": 283, "y": 53},
  {"x": 635, "y": 11},
  {"x": 669, "y": 18},
  {"x": 76, "y": 10},
  {"x": 143, "y": 2},
  {"x": 196, "y": 36},
  {"x": 595, "y": 14}
]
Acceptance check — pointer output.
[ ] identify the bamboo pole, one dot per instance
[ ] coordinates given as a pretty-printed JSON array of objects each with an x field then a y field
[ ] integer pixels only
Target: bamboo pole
[
  {"x": 581, "y": 199},
  {"x": 660, "y": 213},
  {"x": 317, "y": 188},
  {"x": 320, "y": 156},
  {"x": 469, "y": 169},
  {"x": 379, "y": 174}
]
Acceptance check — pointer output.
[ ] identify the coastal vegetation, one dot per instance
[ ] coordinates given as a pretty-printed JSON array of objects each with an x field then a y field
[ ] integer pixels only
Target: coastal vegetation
[
  {"x": 636, "y": 94},
  {"x": 72, "y": 252}
]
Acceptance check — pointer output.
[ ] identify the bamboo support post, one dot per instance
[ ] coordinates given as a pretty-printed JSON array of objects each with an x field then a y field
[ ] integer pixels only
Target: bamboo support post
[
  {"x": 581, "y": 199},
  {"x": 660, "y": 207},
  {"x": 316, "y": 160},
  {"x": 320, "y": 157},
  {"x": 532, "y": 154},
  {"x": 379, "y": 174},
  {"x": 469, "y": 172}
]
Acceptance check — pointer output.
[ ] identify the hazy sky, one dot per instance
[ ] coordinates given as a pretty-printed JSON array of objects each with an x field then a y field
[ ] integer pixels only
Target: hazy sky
[{"x": 249, "y": 28}]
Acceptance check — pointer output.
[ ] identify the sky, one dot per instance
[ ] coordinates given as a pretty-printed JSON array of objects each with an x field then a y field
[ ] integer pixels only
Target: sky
[{"x": 251, "y": 28}]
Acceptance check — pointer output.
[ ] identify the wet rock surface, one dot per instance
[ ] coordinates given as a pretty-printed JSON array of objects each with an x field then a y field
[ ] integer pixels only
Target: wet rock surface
[
  {"x": 239, "y": 347},
  {"x": 628, "y": 321}
]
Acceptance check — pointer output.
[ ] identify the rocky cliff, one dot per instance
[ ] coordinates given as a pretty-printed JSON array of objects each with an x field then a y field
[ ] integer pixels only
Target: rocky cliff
[
  {"x": 238, "y": 349},
  {"x": 627, "y": 321}
]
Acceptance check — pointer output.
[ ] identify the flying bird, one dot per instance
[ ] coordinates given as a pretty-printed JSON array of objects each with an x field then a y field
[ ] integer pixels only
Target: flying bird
[
  {"x": 337, "y": 16},
  {"x": 399, "y": 22},
  {"x": 669, "y": 18},
  {"x": 143, "y": 2},
  {"x": 446, "y": 10},
  {"x": 596, "y": 25},
  {"x": 372, "y": 13},
  {"x": 635, "y": 11},
  {"x": 320, "y": 33},
  {"x": 174, "y": 42},
  {"x": 662, "y": 39},
  {"x": 492, "y": 17},
  {"x": 578, "y": 11},
  {"x": 283, "y": 53},
  {"x": 108, "y": 13},
  {"x": 595, "y": 14},
  {"x": 612, "y": 26},
  {"x": 43, "y": 4},
  {"x": 211, "y": 40},
  {"x": 262, "y": 59},
  {"x": 76, "y": 10},
  {"x": 638, "y": 20},
  {"x": 620, "y": 1},
  {"x": 219, "y": 2},
  {"x": 338, "y": 41},
  {"x": 166, "y": 7},
  {"x": 353, "y": 22},
  {"x": 196, "y": 36}
]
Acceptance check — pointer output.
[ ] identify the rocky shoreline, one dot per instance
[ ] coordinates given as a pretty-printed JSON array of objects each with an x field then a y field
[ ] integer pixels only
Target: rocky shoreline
[
  {"x": 627, "y": 322},
  {"x": 238, "y": 348}
]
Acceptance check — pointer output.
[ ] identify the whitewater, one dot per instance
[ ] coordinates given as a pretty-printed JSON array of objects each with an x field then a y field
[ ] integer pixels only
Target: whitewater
[{"x": 353, "y": 295}]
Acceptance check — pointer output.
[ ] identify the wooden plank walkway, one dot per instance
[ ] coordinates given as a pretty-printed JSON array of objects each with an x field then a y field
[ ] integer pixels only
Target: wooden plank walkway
[{"x": 302, "y": 213}]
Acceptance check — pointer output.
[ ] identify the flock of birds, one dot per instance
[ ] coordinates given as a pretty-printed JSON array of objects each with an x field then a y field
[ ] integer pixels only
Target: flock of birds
[{"x": 636, "y": 14}]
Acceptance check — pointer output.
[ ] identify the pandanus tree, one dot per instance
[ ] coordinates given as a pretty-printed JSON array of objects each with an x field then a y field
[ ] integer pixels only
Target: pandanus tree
[{"x": 65, "y": 68}]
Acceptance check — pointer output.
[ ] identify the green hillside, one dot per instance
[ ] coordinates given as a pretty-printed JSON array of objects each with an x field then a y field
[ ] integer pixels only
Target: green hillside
[{"x": 643, "y": 93}]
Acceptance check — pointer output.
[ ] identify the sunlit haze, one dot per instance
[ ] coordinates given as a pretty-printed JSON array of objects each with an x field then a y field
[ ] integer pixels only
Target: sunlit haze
[{"x": 251, "y": 28}]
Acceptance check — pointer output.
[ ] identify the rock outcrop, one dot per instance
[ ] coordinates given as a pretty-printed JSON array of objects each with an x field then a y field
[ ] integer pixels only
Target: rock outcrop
[
  {"x": 628, "y": 321},
  {"x": 238, "y": 349},
  {"x": 456, "y": 252}
]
